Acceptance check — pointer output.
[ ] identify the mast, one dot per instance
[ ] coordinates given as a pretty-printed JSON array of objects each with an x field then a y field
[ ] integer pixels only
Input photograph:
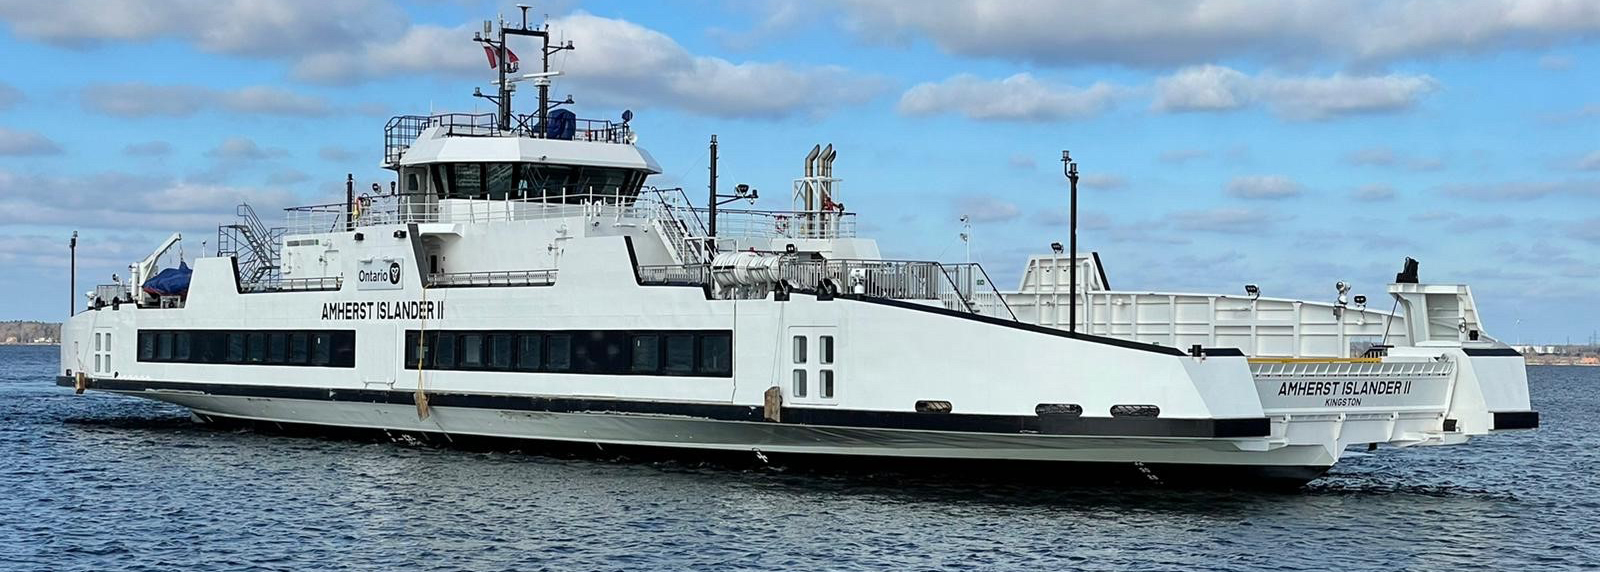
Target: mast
[{"x": 503, "y": 68}]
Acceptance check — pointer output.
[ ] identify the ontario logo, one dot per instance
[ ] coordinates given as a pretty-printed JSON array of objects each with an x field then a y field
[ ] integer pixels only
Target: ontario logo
[{"x": 391, "y": 277}]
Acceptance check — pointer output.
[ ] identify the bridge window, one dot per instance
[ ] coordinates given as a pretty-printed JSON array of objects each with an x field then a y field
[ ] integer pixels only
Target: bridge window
[{"x": 537, "y": 182}]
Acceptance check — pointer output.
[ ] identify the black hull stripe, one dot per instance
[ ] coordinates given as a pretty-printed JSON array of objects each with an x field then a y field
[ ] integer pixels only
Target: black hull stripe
[
  {"x": 1491, "y": 352},
  {"x": 1516, "y": 420},
  {"x": 953, "y": 422}
]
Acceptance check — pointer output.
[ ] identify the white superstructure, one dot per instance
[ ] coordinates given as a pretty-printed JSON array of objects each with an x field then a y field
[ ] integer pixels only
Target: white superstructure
[{"x": 519, "y": 279}]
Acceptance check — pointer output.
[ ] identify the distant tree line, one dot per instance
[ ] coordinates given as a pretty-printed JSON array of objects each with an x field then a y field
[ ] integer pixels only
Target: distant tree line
[{"x": 18, "y": 331}]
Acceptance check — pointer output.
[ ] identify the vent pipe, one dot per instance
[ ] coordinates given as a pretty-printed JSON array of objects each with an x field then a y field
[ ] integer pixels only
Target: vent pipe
[{"x": 811, "y": 160}]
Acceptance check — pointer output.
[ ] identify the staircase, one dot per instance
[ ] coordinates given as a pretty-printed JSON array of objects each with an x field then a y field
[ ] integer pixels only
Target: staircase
[
  {"x": 686, "y": 247},
  {"x": 253, "y": 246}
]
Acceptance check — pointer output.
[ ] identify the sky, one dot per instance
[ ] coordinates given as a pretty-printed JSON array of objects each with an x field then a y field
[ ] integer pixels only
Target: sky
[{"x": 1291, "y": 144}]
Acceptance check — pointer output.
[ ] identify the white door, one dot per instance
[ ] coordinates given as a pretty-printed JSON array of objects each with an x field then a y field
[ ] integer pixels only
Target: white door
[
  {"x": 102, "y": 352},
  {"x": 814, "y": 376}
]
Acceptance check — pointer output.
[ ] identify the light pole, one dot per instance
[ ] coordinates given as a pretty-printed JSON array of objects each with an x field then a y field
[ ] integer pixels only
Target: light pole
[
  {"x": 72, "y": 282},
  {"x": 1071, "y": 168}
]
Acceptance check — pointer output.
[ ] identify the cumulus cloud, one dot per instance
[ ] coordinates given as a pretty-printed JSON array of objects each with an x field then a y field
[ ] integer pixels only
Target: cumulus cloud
[
  {"x": 124, "y": 201},
  {"x": 1222, "y": 220},
  {"x": 1179, "y": 156},
  {"x": 283, "y": 28},
  {"x": 337, "y": 154},
  {"x": 1104, "y": 181},
  {"x": 1373, "y": 193},
  {"x": 1020, "y": 97},
  {"x": 14, "y": 142},
  {"x": 135, "y": 99},
  {"x": 1382, "y": 156},
  {"x": 1522, "y": 190},
  {"x": 1162, "y": 33},
  {"x": 1219, "y": 88},
  {"x": 147, "y": 149},
  {"x": 1264, "y": 187},
  {"x": 616, "y": 62},
  {"x": 244, "y": 149},
  {"x": 1590, "y": 162},
  {"x": 9, "y": 96},
  {"x": 986, "y": 209}
]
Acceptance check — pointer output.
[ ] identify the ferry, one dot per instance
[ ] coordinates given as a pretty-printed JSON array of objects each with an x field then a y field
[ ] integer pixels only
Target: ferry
[{"x": 520, "y": 278}]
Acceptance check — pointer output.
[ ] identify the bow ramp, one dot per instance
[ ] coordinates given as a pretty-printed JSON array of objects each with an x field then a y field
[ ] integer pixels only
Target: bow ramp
[{"x": 1334, "y": 374}]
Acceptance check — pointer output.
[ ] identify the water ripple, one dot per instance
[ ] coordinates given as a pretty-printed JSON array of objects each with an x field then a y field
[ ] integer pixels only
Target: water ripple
[{"x": 99, "y": 482}]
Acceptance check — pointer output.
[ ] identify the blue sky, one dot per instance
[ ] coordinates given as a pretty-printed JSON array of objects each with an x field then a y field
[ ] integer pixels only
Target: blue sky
[{"x": 1289, "y": 144}]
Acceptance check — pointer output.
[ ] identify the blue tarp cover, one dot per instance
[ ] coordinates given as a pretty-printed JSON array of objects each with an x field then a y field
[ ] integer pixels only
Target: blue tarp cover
[
  {"x": 170, "y": 282},
  {"x": 563, "y": 124}
]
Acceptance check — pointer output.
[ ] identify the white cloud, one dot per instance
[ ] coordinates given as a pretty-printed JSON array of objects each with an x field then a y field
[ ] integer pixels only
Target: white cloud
[
  {"x": 1218, "y": 88},
  {"x": 147, "y": 149},
  {"x": 1264, "y": 187},
  {"x": 1590, "y": 162},
  {"x": 282, "y": 28},
  {"x": 1383, "y": 156},
  {"x": 244, "y": 149},
  {"x": 1374, "y": 192},
  {"x": 1222, "y": 220},
  {"x": 1160, "y": 33},
  {"x": 9, "y": 96},
  {"x": 1016, "y": 98},
  {"x": 986, "y": 209},
  {"x": 15, "y": 142},
  {"x": 1103, "y": 181},
  {"x": 1522, "y": 190},
  {"x": 125, "y": 201},
  {"x": 617, "y": 63},
  {"x": 1022, "y": 161},
  {"x": 1182, "y": 155},
  {"x": 135, "y": 99},
  {"x": 337, "y": 154}
]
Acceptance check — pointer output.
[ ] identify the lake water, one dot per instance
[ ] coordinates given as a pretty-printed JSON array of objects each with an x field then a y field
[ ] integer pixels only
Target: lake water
[{"x": 100, "y": 482}]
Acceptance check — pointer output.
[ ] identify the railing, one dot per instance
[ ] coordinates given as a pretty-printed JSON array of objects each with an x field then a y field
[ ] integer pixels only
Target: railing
[
  {"x": 962, "y": 287},
  {"x": 783, "y": 224},
  {"x": 402, "y": 131},
  {"x": 317, "y": 284},
  {"x": 675, "y": 274},
  {"x": 526, "y": 204},
  {"x": 494, "y": 278}
]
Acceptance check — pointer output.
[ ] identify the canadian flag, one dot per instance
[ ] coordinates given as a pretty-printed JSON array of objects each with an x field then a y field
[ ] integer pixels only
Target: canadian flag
[{"x": 494, "y": 62}]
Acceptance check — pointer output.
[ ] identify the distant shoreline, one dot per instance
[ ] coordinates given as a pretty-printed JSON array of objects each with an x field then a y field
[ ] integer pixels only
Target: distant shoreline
[{"x": 30, "y": 344}]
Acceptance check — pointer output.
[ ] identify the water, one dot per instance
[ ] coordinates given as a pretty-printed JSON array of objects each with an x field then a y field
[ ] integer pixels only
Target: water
[{"x": 99, "y": 482}]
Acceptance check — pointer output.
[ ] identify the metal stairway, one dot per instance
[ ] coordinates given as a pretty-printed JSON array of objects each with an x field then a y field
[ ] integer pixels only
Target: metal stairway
[{"x": 253, "y": 246}]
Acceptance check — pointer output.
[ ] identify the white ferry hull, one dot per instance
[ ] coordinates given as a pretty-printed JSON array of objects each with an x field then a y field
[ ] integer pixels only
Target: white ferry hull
[{"x": 1171, "y": 460}]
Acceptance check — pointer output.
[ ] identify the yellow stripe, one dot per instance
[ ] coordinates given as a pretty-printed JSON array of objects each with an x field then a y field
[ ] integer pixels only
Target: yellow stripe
[{"x": 1317, "y": 360}]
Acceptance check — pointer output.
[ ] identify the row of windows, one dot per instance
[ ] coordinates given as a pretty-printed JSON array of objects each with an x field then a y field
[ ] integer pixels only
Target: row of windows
[
  {"x": 617, "y": 352},
  {"x": 322, "y": 348},
  {"x": 500, "y": 181}
]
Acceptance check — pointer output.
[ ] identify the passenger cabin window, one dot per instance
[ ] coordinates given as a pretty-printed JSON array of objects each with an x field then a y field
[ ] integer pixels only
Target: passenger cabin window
[{"x": 536, "y": 182}]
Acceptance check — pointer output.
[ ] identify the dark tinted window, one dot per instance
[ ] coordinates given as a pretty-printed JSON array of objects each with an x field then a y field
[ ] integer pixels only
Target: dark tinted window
[
  {"x": 444, "y": 354},
  {"x": 147, "y": 346},
  {"x": 181, "y": 346},
  {"x": 164, "y": 346},
  {"x": 558, "y": 352},
  {"x": 321, "y": 349},
  {"x": 680, "y": 354},
  {"x": 256, "y": 348},
  {"x": 716, "y": 354},
  {"x": 530, "y": 356},
  {"x": 471, "y": 351},
  {"x": 235, "y": 353},
  {"x": 501, "y": 350},
  {"x": 299, "y": 348},
  {"x": 277, "y": 347},
  {"x": 646, "y": 353}
]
